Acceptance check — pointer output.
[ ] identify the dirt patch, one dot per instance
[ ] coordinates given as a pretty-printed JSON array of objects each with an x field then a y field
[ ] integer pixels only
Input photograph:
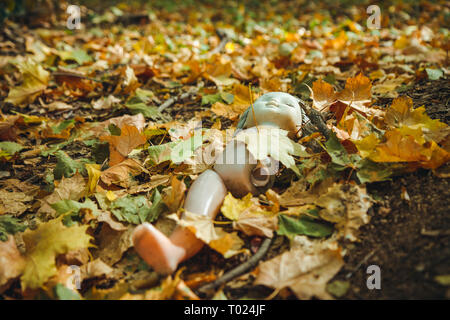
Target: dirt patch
[{"x": 408, "y": 239}]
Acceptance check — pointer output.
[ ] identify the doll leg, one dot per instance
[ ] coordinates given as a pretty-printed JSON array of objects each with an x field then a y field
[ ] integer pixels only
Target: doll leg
[{"x": 205, "y": 197}]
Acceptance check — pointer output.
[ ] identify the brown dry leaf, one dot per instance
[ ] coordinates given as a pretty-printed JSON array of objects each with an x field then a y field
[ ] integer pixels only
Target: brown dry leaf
[
  {"x": 105, "y": 216},
  {"x": 105, "y": 103},
  {"x": 155, "y": 181},
  {"x": 165, "y": 291},
  {"x": 173, "y": 196},
  {"x": 305, "y": 268},
  {"x": 323, "y": 95},
  {"x": 121, "y": 173},
  {"x": 8, "y": 128},
  {"x": 13, "y": 202},
  {"x": 72, "y": 188},
  {"x": 357, "y": 93},
  {"x": 387, "y": 88},
  {"x": 298, "y": 193},
  {"x": 121, "y": 146},
  {"x": 111, "y": 244},
  {"x": 129, "y": 82},
  {"x": 12, "y": 262},
  {"x": 57, "y": 105},
  {"x": 77, "y": 83},
  {"x": 273, "y": 85},
  {"x": 346, "y": 206},
  {"x": 95, "y": 268},
  {"x": 256, "y": 223},
  {"x": 196, "y": 71}
]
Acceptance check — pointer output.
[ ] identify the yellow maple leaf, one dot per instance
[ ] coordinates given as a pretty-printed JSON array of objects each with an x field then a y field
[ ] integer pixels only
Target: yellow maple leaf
[
  {"x": 241, "y": 102},
  {"x": 35, "y": 81},
  {"x": 403, "y": 147},
  {"x": 401, "y": 114},
  {"x": 44, "y": 244},
  {"x": 367, "y": 144}
]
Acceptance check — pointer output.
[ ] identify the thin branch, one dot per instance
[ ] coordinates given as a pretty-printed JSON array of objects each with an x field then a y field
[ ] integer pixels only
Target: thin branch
[
  {"x": 174, "y": 99},
  {"x": 239, "y": 270}
]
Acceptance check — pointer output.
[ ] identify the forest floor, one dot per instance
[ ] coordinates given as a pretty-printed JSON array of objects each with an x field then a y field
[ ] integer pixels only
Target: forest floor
[{"x": 141, "y": 61}]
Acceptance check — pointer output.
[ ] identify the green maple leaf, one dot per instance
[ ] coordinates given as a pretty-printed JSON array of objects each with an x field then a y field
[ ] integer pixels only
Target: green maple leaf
[
  {"x": 44, "y": 244},
  {"x": 66, "y": 166},
  {"x": 130, "y": 209},
  {"x": 303, "y": 225},
  {"x": 9, "y": 225}
]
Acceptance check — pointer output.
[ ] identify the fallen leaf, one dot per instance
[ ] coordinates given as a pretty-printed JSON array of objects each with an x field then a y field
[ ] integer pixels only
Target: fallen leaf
[
  {"x": 228, "y": 244},
  {"x": 12, "y": 262},
  {"x": 69, "y": 188},
  {"x": 241, "y": 102},
  {"x": 121, "y": 146},
  {"x": 174, "y": 195},
  {"x": 105, "y": 103},
  {"x": 44, "y": 244},
  {"x": 35, "y": 81},
  {"x": 346, "y": 206},
  {"x": 323, "y": 95},
  {"x": 305, "y": 269},
  {"x": 263, "y": 142},
  {"x": 14, "y": 202},
  {"x": 111, "y": 244},
  {"x": 357, "y": 93},
  {"x": 121, "y": 174},
  {"x": 248, "y": 216}
]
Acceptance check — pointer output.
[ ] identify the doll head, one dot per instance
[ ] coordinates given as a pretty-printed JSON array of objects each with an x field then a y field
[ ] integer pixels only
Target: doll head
[{"x": 277, "y": 109}]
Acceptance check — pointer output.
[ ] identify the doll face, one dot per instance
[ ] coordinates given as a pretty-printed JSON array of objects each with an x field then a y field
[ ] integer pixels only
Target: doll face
[{"x": 279, "y": 109}]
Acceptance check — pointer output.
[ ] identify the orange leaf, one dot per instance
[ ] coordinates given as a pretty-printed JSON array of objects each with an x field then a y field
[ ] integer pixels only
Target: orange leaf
[
  {"x": 121, "y": 146},
  {"x": 323, "y": 95},
  {"x": 357, "y": 92}
]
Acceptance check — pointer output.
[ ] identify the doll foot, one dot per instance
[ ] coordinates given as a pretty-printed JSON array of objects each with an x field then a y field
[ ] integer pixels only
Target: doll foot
[{"x": 156, "y": 249}]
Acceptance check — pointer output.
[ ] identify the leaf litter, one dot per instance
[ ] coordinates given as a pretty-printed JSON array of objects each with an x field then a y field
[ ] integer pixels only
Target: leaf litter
[{"x": 86, "y": 114}]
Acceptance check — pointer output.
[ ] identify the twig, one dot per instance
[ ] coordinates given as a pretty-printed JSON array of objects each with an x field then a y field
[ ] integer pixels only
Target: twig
[
  {"x": 239, "y": 270},
  {"x": 172, "y": 100},
  {"x": 366, "y": 258},
  {"x": 224, "y": 39}
]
